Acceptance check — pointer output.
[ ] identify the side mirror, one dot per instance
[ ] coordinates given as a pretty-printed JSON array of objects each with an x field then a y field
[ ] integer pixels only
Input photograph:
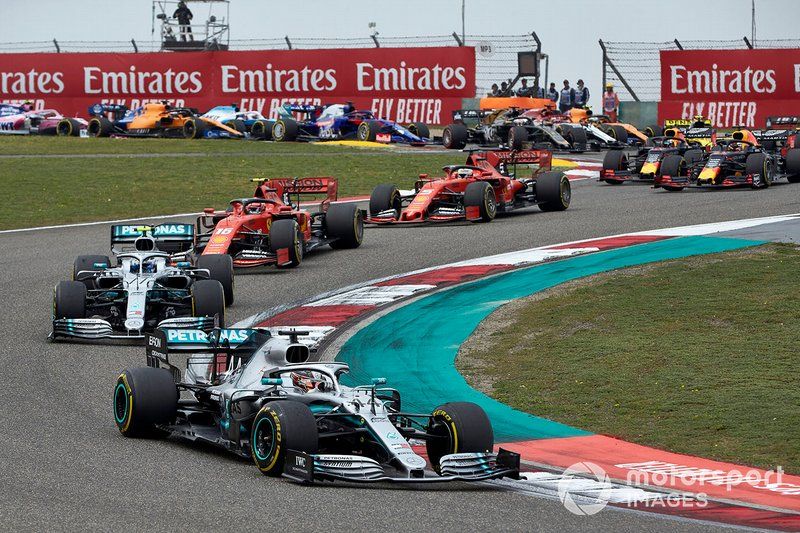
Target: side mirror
[
  {"x": 266, "y": 380},
  {"x": 379, "y": 381},
  {"x": 208, "y": 210}
]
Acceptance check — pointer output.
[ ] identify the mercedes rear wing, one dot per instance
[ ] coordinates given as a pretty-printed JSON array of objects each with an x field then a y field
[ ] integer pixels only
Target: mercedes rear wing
[
  {"x": 225, "y": 347},
  {"x": 170, "y": 238}
]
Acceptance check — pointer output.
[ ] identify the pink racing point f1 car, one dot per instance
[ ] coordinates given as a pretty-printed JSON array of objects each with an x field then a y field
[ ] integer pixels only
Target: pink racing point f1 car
[
  {"x": 490, "y": 182},
  {"x": 23, "y": 120}
]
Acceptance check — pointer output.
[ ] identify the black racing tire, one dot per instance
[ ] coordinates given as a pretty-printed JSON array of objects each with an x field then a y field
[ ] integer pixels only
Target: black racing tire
[
  {"x": 759, "y": 163},
  {"x": 458, "y": 427},
  {"x": 143, "y": 398},
  {"x": 576, "y": 137},
  {"x": 208, "y": 299},
  {"x": 262, "y": 129},
  {"x": 68, "y": 127},
  {"x": 693, "y": 156},
  {"x": 619, "y": 133},
  {"x": 455, "y": 136},
  {"x": 69, "y": 300},
  {"x": 345, "y": 223},
  {"x": 420, "y": 129},
  {"x": 384, "y": 197},
  {"x": 285, "y": 233},
  {"x": 100, "y": 127},
  {"x": 194, "y": 128},
  {"x": 279, "y": 426},
  {"x": 220, "y": 268},
  {"x": 673, "y": 165},
  {"x": 654, "y": 131},
  {"x": 238, "y": 125},
  {"x": 793, "y": 165},
  {"x": 368, "y": 130},
  {"x": 285, "y": 130},
  {"x": 615, "y": 160},
  {"x": 88, "y": 262},
  {"x": 480, "y": 194},
  {"x": 553, "y": 191},
  {"x": 517, "y": 137}
]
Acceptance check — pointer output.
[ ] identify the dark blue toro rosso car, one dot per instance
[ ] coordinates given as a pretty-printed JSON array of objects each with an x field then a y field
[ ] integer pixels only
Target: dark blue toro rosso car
[{"x": 343, "y": 121}]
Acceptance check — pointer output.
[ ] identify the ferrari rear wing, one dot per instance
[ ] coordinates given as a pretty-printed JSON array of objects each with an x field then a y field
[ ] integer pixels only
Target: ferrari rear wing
[
  {"x": 496, "y": 158},
  {"x": 326, "y": 185}
]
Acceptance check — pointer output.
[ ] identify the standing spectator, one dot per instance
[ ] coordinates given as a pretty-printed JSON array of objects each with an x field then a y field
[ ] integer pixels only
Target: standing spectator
[
  {"x": 524, "y": 90},
  {"x": 184, "y": 16},
  {"x": 567, "y": 98},
  {"x": 504, "y": 89},
  {"x": 536, "y": 91},
  {"x": 495, "y": 90},
  {"x": 610, "y": 103},
  {"x": 581, "y": 95},
  {"x": 552, "y": 93}
]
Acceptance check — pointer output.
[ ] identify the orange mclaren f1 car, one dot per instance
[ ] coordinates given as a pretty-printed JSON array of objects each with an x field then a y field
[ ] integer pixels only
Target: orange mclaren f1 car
[
  {"x": 271, "y": 229},
  {"x": 152, "y": 120},
  {"x": 487, "y": 184}
]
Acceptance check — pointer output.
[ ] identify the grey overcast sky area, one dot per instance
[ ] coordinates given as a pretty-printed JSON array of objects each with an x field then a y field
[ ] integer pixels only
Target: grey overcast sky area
[{"x": 569, "y": 29}]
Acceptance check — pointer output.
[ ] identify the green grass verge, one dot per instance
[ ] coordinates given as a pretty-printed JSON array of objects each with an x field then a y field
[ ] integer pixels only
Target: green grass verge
[
  {"x": 59, "y": 190},
  {"x": 183, "y": 176},
  {"x": 697, "y": 356}
]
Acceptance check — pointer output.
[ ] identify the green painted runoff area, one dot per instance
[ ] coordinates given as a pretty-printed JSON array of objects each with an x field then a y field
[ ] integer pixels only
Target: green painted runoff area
[{"x": 415, "y": 346}]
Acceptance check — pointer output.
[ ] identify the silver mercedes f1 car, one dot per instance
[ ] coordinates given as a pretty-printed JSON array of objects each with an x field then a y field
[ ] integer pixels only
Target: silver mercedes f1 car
[
  {"x": 257, "y": 395},
  {"x": 152, "y": 283}
]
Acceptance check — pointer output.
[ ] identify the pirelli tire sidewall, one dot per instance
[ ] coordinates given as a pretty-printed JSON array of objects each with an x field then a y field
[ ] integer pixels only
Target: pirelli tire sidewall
[
  {"x": 458, "y": 427},
  {"x": 280, "y": 426},
  {"x": 143, "y": 399}
]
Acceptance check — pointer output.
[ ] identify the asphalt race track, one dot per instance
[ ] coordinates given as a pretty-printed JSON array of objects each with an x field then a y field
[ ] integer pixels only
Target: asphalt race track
[{"x": 66, "y": 467}]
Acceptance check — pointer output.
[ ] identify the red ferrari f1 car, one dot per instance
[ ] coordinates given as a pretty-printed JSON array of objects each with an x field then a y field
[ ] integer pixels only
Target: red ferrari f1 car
[
  {"x": 270, "y": 228},
  {"x": 486, "y": 185}
]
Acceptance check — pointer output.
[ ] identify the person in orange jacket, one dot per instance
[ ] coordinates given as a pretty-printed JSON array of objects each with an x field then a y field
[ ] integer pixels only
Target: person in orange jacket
[{"x": 610, "y": 103}]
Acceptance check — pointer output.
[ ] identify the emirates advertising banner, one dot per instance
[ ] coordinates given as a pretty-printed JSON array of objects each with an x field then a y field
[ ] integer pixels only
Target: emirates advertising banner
[
  {"x": 401, "y": 84},
  {"x": 731, "y": 87}
]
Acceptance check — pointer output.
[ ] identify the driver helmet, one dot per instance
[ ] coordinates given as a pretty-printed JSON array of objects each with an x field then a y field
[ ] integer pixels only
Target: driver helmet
[
  {"x": 149, "y": 266},
  {"x": 306, "y": 381},
  {"x": 464, "y": 172},
  {"x": 255, "y": 208},
  {"x": 27, "y": 105}
]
